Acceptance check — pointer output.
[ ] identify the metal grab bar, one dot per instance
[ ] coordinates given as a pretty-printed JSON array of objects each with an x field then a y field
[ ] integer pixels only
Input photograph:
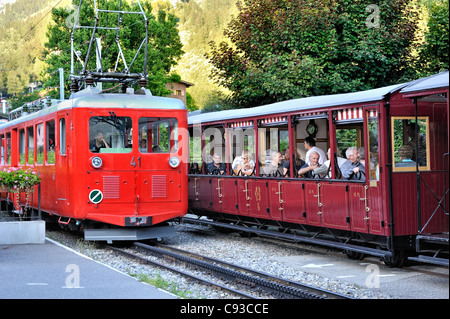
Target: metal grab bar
[
  {"x": 279, "y": 196},
  {"x": 365, "y": 198},
  {"x": 218, "y": 189}
]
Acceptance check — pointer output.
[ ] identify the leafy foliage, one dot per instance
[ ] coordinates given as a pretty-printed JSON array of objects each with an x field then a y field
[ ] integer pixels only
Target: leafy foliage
[
  {"x": 433, "y": 55},
  {"x": 22, "y": 30},
  {"x": 283, "y": 49}
]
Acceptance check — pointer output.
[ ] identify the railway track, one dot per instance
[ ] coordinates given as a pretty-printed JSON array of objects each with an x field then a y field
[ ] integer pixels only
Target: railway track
[{"x": 258, "y": 283}]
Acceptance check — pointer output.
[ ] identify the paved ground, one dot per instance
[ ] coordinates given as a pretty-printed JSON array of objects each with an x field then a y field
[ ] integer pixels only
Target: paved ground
[
  {"x": 49, "y": 271},
  {"x": 409, "y": 282}
]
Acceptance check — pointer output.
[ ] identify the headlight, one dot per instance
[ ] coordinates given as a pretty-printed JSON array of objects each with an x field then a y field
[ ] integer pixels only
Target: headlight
[
  {"x": 174, "y": 162},
  {"x": 96, "y": 162}
]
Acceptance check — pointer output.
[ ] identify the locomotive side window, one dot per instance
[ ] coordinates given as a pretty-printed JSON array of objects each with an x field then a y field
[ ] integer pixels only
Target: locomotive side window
[
  {"x": 2, "y": 148},
  {"x": 110, "y": 134},
  {"x": 50, "y": 142},
  {"x": 30, "y": 145},
  {"x": 8, "y": 148},
  {"x": 158, "y": 135},
  {"x": 22, "y": 146},
  {"x": 410, "y": 140},
  {"x": 40, "y": 144},
  {"x": 62, "y": 136}
]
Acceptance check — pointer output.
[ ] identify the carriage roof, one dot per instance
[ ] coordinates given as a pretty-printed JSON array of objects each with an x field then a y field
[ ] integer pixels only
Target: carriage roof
[
  {"x": 301, "y": 104},
  {"x": 435, "y": 81}
]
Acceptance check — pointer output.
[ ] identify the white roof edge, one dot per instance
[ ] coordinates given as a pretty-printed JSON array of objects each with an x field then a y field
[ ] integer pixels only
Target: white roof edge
[{"x": 105, "y": 101}]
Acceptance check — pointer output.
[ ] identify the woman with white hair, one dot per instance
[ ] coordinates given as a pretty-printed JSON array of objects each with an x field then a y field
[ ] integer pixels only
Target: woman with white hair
[{"x": 352, "y": 169}]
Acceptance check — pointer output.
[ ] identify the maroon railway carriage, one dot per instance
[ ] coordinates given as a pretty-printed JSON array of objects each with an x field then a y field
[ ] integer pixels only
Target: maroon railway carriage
[{"x": 381, "y": 212}]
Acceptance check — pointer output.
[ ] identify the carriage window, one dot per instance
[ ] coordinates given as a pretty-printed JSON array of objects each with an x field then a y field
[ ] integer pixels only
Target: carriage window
[
  {"x": 22, "y": 146},
  {"x": 374, "y": 160},
  {"x": 195, "y": 149},
  {"x": 40, "y": 144},
  {"x": 242, "y": 153},
  {"x": 110, "y": 134},
  {"x": 50, "y": 142},
  {"x": 347, "y": 137},
  {"x": 158, "y": 135},
  {"x": 410, "y": 140},
  {"x": 273, "y": 143}
]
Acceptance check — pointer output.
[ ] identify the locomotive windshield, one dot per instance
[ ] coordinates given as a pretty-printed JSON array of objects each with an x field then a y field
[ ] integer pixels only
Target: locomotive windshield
[
  {"x": 110, "y": 134},
  {"x": 158, "y": 135}
]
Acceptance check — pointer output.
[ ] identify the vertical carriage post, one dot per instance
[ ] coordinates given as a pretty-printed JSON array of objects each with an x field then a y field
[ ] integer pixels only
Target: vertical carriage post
[
  {"x": 387, "y": 105},
  {"x": 416, "y": 135}
]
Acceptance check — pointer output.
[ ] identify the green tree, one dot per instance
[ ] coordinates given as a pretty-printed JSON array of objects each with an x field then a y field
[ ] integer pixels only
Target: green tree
[
  {"x": 433, "y": 55},
  {"x": 164, "y": 47},
  {"x": 201, "y": 22},
  {"x": 283, "y": 49},
  {"x": 22, "y": 33}
]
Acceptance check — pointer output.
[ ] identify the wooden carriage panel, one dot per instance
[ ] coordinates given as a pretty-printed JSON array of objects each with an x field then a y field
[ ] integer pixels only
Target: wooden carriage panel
[
  {"x": 357, "y": 208},
  {"x": 229, "y": 190},
  {"x": 259, "y": 199},
  {"x": 275, "y": 199},
  {"x": 243, "y": 196},
  {"x": 334, "y": 200},
  {"x": 204, "y": 193},
  {"x": 377, "y": 220},
  {"x": 313, "y": 211},
  {"x": 294, "y": 202}
]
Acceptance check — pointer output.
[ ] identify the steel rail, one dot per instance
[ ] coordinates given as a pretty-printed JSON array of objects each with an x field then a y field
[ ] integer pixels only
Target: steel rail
[
  {"x": 276, "y": 285},
  {"x": 183, "y": 273},
  {"x": 286, "y": 282}
]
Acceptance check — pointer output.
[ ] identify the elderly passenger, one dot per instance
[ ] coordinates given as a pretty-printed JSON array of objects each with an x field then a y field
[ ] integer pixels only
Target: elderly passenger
[
  {"x": 307, "y": 169},
  {"x": 352, "y": 169}
]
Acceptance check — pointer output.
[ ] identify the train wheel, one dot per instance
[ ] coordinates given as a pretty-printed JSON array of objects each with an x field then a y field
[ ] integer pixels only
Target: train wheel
[
  {"x": 354, "y": 255},
  {"x": 396, "y": 260}
]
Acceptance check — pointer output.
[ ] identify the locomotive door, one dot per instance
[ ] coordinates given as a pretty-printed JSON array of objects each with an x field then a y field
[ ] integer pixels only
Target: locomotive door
[{"x": 62, "y": 152}]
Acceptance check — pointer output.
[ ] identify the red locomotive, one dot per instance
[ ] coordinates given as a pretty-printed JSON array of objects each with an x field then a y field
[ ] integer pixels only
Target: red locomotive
[
  {"x": 114, "y": 165},
  {"x": 105, "y": 160},
  {"x": 395, "y": 205}
]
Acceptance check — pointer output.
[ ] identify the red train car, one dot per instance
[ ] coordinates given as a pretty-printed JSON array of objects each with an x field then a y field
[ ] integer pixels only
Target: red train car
[
  {"x": 382, "y": 209},
  {"x": 113, "y": 165}
]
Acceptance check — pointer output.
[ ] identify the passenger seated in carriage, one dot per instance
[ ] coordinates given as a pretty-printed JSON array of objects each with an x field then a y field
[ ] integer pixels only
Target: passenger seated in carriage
[
  {"x": 352, "y": 169},
  {"x": 216, "y": 167},
  {"x": 298, "y": 162},
  {"x": 324, "y": 171},
  {"x": 307, "y": 170},
  {"x": 405, "y": 153},
  {"x": 244, "y": 164},
  {"x": 274, "y": 168},
  {"x": 310, "y": 146}
]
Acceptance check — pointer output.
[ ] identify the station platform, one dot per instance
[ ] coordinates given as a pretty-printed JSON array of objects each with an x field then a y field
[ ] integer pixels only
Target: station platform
[{"x": 50, "y": 271}]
